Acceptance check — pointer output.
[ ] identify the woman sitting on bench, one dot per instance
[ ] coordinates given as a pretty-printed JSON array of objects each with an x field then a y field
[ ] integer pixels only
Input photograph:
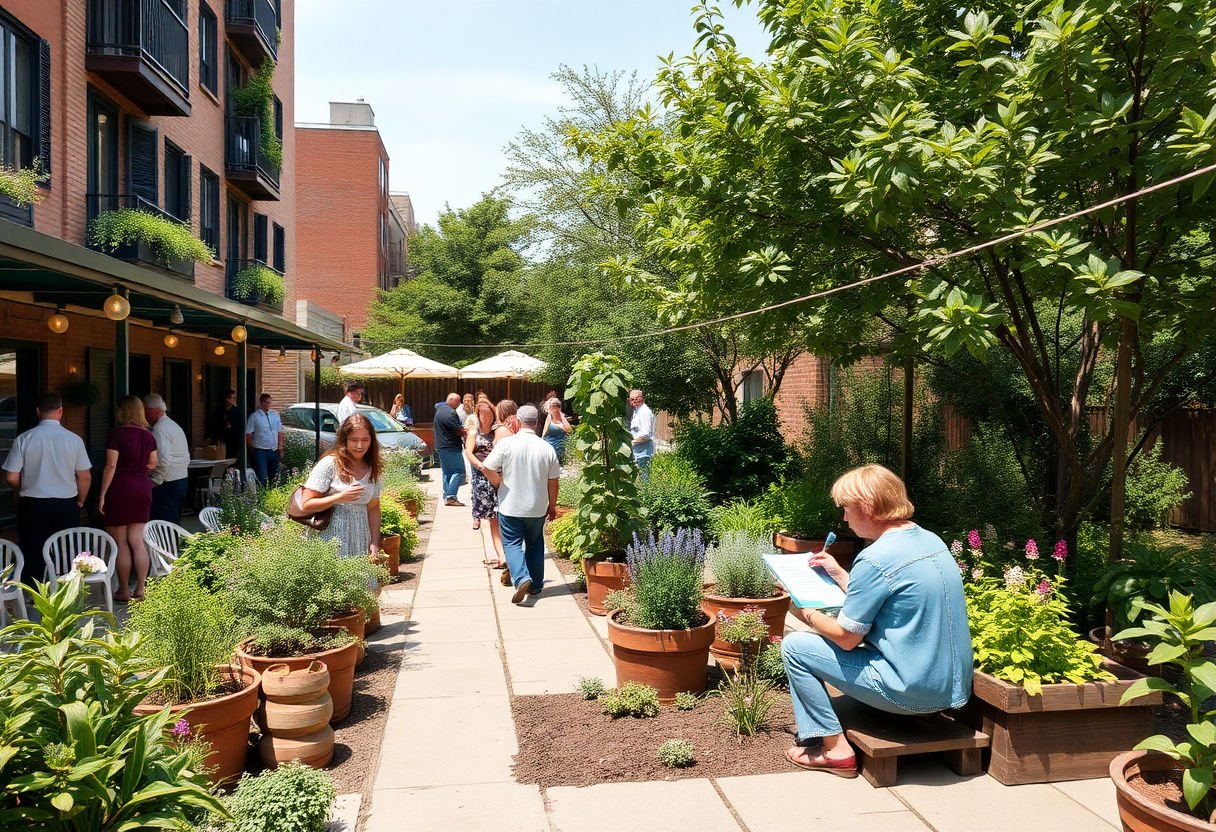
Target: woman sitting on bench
[{"x": 900, "y": 642}]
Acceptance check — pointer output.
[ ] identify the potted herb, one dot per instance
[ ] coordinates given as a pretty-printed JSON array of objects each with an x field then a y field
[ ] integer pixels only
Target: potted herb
[
  {"x": 660, "y": 635},
  {"x": 741, "y": 581},
  {"x": 183, "y": 627},
  {"x": 804, "y": 512},
  {"x": 1179, "y": 636},
  {"x": 608, "y": 508}
]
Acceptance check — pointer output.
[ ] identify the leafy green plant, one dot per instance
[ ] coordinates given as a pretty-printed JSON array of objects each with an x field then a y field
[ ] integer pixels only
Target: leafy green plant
[
  {"x": 1154, "y": 489},
  {"x": 256, "y": 99},
  {"x": 81, "y": 393},
  {"x": 298, "y": 452},
  {"x": 188, "y": 630},
  {"x": 392, "y": 515},
  {"x": 738, "y": 568},
  {"x": 274, "y": 500},
  {"x": 1150, "y": 574},
  {"x": 675, "y": 496},
  {"x": 770, "y": 665},
  {"x": 591, "y": 687},
  {"x": 665, "y": 587},
  {"x": 564, "y": 533},
  {"x": 747, "y": 700},
  {"x": 801, "y": 504},
  {"x": 568, "y": 489},
  {"x": 608, "y": 507},
  {"x": 1180, "y": 635},
  {"x": 281, "y": 640},
  {"x": 239, "y": 505},
  {"x": 169, "y": 240},
  {"x": 676, "y": 754},
  {"x": 21, "y": 185},
  {"x": 631, "y": 699},
  {"x": 74, "y": 756},
  {"x": 686, "y": 701},
  {"x": 740, "y": 458},
  {"x": 740, "y": 515},
  {"x": 291, "y": 798},
  {"x": 747, "y": 629},
  {"x": 203, "y": 557},
  {"x": 259, "y": 284}
]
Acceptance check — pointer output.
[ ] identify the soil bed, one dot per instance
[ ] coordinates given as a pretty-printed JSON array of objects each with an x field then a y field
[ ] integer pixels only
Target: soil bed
[
  {"x": 565, "y": 740},
  {"x": 1161, "y": 786}
]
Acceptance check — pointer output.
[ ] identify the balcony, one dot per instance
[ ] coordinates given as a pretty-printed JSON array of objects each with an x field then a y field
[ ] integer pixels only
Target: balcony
[
  {"x": 142, "y": 49},
  {"x": 248, "y": 167},
  {"x": 256, "y": 293},
  {"x": 253, "y": 28},
  {"x": 139, "y": 253}
]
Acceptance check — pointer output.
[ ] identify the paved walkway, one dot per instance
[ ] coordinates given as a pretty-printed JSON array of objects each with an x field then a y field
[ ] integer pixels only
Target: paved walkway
[{"x": 445, "y": 762}]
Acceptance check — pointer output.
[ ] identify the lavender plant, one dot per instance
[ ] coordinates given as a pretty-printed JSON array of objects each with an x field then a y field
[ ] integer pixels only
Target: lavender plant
[{"x": 666, "y": 578}]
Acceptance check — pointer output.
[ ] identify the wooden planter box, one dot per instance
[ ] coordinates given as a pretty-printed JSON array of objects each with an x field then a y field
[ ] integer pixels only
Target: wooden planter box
[{"x": 1071, "y": 732}]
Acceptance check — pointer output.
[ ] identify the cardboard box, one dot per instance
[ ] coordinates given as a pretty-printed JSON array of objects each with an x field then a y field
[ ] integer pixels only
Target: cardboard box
[{"x": 210, "y": 452}]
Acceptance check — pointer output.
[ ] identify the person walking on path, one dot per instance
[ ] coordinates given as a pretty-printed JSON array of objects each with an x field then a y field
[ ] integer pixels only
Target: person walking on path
[
  {"x": 349, "y": 405},
  {"x": 557, "y": 427},
  {"x": 348, "y": 480},
  {"x": 171, "y": 475},
  {"x": 264, "y": 433},
  {"x": 641, "y": 425},
  {"x": 49, "y": 470},
  {"x": 525, "y": 470},
  {"x": 449, "y": 444},
  {"x": 477, "y": 447},
  {"x": 126, "y": 493}
]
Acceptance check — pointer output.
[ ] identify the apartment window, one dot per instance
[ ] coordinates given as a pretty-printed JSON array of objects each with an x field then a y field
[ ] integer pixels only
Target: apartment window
[
  {"x": 209, "y": 208},
  {"x": 753, "y": 385},
  {"x": 25, "y": 96},
  {"x": 208, "y": 48},
  {"x": 259, "y": 238},
  {"x": 177, "y": 182},
  {"x": 280, "y": 248},
  {"x": 278, "y": 118}
]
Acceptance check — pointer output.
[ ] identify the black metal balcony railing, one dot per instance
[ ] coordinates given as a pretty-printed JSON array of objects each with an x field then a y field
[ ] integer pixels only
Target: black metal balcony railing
[
  {"x": 147, "y": 29},
  {"x": 136, "y": 252},
  {"x": 257, "y": 299},
  {"x": 248, "y": 166},
  {"x": 260, "y": 16}
]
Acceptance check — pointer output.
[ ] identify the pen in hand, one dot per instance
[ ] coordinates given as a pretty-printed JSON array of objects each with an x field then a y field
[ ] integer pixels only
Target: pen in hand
[{"x": 821, "y": 557}]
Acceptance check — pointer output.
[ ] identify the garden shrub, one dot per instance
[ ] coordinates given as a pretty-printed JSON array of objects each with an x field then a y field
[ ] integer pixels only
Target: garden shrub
[
  {"x": 291, "y": 798},
  {"x": 564, "y": 534},
  {"x": 169, "y": 240},
  {"x": 239, "y": 505},
  {"x": 982, "y": 484},
  {"x": 739, "y": 515},
  {"x": 770, "y": 665},
  {"x": 666, "y": 581},
  {"x": 568, "y": 488},
  {"x": 1150, "y": 574},
  {"x": 738, "y": 567},
  {"x": 204, "y": 555},
  {"x": 740, "y": 458},
  {"x": 274, "y": 500},
  {"x": 631, "y": 699},
  {"x": 1154, "y": 489},
  {"x": 675, "y": 496},
  {"x": 686, "y": 701},
  {"x": 298, "y": 453},
  {"x": 801, "y": 503},
  {"x": 591, "y": 687},
  {"x": 676, "y": 754}
]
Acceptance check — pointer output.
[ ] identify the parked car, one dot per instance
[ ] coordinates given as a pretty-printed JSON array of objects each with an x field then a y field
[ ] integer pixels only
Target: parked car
[{"x": 300, "y": 418}]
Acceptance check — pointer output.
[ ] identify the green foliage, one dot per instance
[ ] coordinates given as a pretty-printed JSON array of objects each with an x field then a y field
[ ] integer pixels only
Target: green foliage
[
  {"x": 751, "y": 517},
  {"x": 676, "y": 754},
  {"x": 291, "y": 798},
  {"x": 239, "y": 505},
  {"x": 273, "y": 500},
  {"x": 395, "y": 519},
  {"x": 203, "y": 558},
  {"x": 259, "y": 284},
  {"x": 256, "y": 99},
  {"x": 298, "y": 452},
  {"x": 631, "y": 699},
  {"x": 1151, "y": 574},
  {"x": 770, "y": 666},
  {"x": 740, "y": 458},
  {"x": 608, "y": 507},
  {"x": 168, "y": 240},
  {"x": 564, "y": 533},
  {"x": 738, "y": 568},
  {"x": 747, "y": 700},
  {"x": 188, "y": 630},
  {"x": 568, "y": 488},
  {"x": 1154, "y": 489},
  {"x": 675, "y": 496},
  {"x": 1180, "y": 635},
  {"x": 686, "y": 701},
  {"x": 801, "y": 504},
  {"x": 591, "y": 687},
  {"x": 665, "y": 581},
  {"x": 745, "y": 628},
  {"x": 282, "y": 641},
  {"x": 74, "y": 756},
  {"x": 21, "y": 185}
]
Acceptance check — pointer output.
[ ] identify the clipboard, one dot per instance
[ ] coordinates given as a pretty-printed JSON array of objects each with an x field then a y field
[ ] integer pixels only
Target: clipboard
[{"x": 809, "y": 588}]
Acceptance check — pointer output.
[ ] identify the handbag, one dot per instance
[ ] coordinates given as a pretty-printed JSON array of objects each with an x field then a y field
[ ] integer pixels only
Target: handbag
[{"x": 317, "y": 521}]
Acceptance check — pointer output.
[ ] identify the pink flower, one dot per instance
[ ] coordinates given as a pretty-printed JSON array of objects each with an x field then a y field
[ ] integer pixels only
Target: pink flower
[
  {"x": 962, "y": 567},
  {"x": 956, "y": 548},
  {"x": 977, "y": 574},
  {"x": 774, "y": 639},
  {"x": 1014, "y": 577},
  {"x": 973, "y": 539},
  {"x": 1043, "y": 589},
  {"x": 1032, "y": 550},
  {"x": 181, "y": 729},
  {"x": 1060, "y": 553}
]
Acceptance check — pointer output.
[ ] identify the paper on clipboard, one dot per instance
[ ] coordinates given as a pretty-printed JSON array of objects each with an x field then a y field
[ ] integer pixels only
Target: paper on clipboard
[{"x": 808, "y": 587}]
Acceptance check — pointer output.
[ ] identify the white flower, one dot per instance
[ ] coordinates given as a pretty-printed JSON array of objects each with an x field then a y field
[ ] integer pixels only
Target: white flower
[{"x": 88, "y": 564}]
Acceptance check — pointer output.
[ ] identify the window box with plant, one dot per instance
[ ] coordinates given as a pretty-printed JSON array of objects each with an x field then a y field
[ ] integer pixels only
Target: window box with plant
[
  {"x": 20, "y": 192},
  {"x": 742, "y": 581},
  {"x": 139, "y": 232},
  {"x": 257, "y": 283}
]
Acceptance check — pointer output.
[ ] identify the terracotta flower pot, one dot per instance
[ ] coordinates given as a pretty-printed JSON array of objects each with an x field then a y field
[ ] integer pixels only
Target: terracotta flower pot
[
  {"x": 373, "y": 623},
  {"x": 410, "y": 504},
  {"x": 844, "y": 549},
  {"x": 284, "y": 683},
  {"x": 670, "y": 661},
  {"x": 223, "y": 722},
  {"x": 603, "y": 577},
  {"x": 341, "y": 664},
  {"x": 354, "y": 623},
  {"x": 295, "y": 715},
  {"x": 727, "y": 654},
  {"x": 562, "y": 511},
  {"x": 316, "y": 750},
  {"x": 390, "y": 545},
  {"x": 1139, "y": 812}
]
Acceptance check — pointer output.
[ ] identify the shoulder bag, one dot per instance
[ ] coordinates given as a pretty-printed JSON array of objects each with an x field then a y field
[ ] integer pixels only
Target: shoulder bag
[{"x": 318, "y": 521}]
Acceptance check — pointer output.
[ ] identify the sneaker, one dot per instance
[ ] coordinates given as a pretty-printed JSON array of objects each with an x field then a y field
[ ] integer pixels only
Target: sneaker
[{"x": 521, "y": 591}]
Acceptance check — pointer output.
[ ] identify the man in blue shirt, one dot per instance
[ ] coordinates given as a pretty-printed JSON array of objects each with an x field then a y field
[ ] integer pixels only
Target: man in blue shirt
[
  {"x": 264, "y": 433},
  {"x": 449, "y": 444}
]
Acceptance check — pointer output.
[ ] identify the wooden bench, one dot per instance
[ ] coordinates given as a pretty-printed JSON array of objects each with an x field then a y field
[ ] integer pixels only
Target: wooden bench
[{"x": 883, "y": 738}]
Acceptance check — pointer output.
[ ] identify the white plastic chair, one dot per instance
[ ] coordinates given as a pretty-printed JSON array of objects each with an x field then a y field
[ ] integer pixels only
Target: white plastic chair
[
  {"x": 62, "y": 547},
  {"x": 164, "y": 541},
  {"x": 11, "y": 557},
  {"x": 210, "y": 518}
]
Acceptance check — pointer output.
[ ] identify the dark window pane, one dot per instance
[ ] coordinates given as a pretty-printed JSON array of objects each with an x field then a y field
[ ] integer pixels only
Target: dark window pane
[
  {"x": 209, "y": 208},
  {"x": 259, "y": 238},
  {"x": 280, "y": 248},
  {"x": 208, "y": 43}
]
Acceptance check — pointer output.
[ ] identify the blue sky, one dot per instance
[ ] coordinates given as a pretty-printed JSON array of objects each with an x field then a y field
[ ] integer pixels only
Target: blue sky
[{"x": 453, "y": 82}]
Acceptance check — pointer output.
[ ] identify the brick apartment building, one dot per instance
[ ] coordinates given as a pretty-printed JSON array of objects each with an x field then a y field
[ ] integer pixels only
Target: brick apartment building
[{"x": 132, "y": 104}]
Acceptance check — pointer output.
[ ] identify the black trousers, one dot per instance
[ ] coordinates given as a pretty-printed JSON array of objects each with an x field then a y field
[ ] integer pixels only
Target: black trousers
[
  {"x": 167, "y": 500},
  {"x": 37, "y": 519}
]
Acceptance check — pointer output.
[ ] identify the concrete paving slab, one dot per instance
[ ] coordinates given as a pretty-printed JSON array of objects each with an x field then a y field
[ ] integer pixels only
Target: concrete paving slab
[
  {"x": 557, "y": 664},
  {"x": 523, "y": 628},
  {"x": 438, "y": 582},
  {"x": 447, "y": 625},
  {"x": 451, "y": 598},
  {"x": 502, "y": 807},
  {"x": 771, "y": 803},
  {"x": 1096, "y": 795},
  {"x": 610, "y": 807},
  {"x": 345, "y": 815},
  {"x": 468, "y": 669}
]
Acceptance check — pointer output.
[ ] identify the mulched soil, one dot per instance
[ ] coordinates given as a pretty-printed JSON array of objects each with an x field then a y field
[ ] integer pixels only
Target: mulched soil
[
  {"x": 1163, "y": 786},
  {"x": 566, "y": 741},
  {"x": 357, "y": 738}
]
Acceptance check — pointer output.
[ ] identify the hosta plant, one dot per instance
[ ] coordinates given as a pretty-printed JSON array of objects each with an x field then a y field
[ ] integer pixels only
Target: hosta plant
[{"x": 169, "y": 240}]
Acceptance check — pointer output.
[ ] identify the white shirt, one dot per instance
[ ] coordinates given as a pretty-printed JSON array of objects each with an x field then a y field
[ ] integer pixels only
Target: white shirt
[
  {"x": 527, "y": 463},
  {"x": 641, "y": 425},
  {"x": 172, "y": 451},
  {"x": 48, "y": 457},
  {"x": 265, "y": 427},
  {"x": 460, "y": 412},
  {"x": 346, "y": 407}
]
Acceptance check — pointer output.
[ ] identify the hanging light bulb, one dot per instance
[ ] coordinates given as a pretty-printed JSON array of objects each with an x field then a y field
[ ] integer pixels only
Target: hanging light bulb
[
  {"x": 239, "y": 333},
  {"x": 58, "y": 322},
  {"x": 220, "y": 349},
  {"x": 116, "y": 307},
  {"x": 175, "y": 317},
  {"x": 282, "y": 356},
  {"x": 312, "y": 355},
  {"x": 171, "y": 340}
]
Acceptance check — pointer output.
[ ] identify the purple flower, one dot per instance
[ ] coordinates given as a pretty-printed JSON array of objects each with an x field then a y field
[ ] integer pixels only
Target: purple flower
[
  {"x": 1032, "y": 550},
  {"x": 956, "y": 548},
  {"x": 1043, "y": 589},
  {"x": 973, "y": 539},
  {"x": 1060, "y": 553},
  {"x": 181, "y": 729}
]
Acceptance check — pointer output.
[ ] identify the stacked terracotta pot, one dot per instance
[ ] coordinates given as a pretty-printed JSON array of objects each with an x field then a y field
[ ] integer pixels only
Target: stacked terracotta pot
[{"x": 294, "y": 715}]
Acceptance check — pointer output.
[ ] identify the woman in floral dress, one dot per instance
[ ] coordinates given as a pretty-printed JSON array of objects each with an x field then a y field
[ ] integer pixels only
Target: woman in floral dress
[
  {"x": 348, "y": 479},
  {"x": 477, "y": 446}
]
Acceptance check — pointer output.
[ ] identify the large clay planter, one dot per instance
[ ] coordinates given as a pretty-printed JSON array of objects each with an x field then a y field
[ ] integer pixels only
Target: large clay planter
[
  {"x": 844, "y": 549},
  {"x": 1070, "y": 732},
  {"x": 1133, "y": 654},
  {"x": 411, "y": 505},
  {"x": 295, "y": 715},
  {"x": 354, "y": 623},
  {"x": 223, "y": 722},
  {"x": 670, "y": 661},
  {"x": 1140, "y": 813},
  {"x": 390, "y": 545},
  {"x": 727, "y": 654},
  {"x": 603, "y": 577},
  {"x": 341, "y": 664}
]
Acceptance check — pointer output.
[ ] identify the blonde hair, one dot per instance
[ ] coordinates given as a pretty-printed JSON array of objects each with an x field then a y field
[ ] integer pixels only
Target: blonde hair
[
  {"x": 876, "y": 490},
  {"x": 130, "y": 411}
]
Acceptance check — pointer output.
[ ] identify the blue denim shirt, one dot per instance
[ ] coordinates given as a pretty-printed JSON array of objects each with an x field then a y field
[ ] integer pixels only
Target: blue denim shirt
[{"x": 906, "y": 596}]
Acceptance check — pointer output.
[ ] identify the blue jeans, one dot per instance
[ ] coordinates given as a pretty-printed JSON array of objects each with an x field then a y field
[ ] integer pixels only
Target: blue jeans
[
  {"x": 523, "y": 542},
  {"x": 167, "y": 500},
  {"x": 265, "y": 465},
  {"x": 810, "y": 660},
  {"x": 451, "y": 467},
  {"x": 643, "y": 463}
]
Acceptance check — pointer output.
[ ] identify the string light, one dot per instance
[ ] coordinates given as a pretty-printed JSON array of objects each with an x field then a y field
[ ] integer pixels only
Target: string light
[
  {"x": 171, "y": 340},
  {"x": 58, "y": 322},
  {"x": 116, "y": 307},
  {"x": 220, "y": 349},
  {"x": 239, "y": 333},
  {"x": 282, "y": 356}
]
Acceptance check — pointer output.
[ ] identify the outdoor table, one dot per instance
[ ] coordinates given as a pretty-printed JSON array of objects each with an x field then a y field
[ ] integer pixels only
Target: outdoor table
[{"x": 200, "y": 472}]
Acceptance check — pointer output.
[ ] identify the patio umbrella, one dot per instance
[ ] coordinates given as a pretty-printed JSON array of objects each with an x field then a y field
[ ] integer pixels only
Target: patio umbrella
[
  {"x": 399, "y": 364},
  {"x": 510, "y": 364}
]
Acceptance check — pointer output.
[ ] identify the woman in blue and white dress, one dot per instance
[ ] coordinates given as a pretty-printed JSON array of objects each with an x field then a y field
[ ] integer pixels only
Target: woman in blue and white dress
[{"x": 348, "y": 479}]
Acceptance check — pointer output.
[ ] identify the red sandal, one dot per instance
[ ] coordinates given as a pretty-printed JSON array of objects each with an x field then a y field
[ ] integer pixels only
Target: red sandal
[{"x": 841, "y": 768}]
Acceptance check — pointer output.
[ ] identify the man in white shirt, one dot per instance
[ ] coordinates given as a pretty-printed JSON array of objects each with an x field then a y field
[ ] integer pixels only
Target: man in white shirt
[
  {"x": 641, "y": 425},
  {"x": 171, "y": 474},
  {"x": 264, "y": 433},
  {"x": 350, "y": 402},
  {"x": 525, "y": 470},
  {"x": 50, "y": 470}
]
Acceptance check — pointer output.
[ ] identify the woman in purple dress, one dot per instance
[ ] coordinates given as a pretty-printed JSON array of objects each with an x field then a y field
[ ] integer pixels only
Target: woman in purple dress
[{"x": 126, "y": 493}]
